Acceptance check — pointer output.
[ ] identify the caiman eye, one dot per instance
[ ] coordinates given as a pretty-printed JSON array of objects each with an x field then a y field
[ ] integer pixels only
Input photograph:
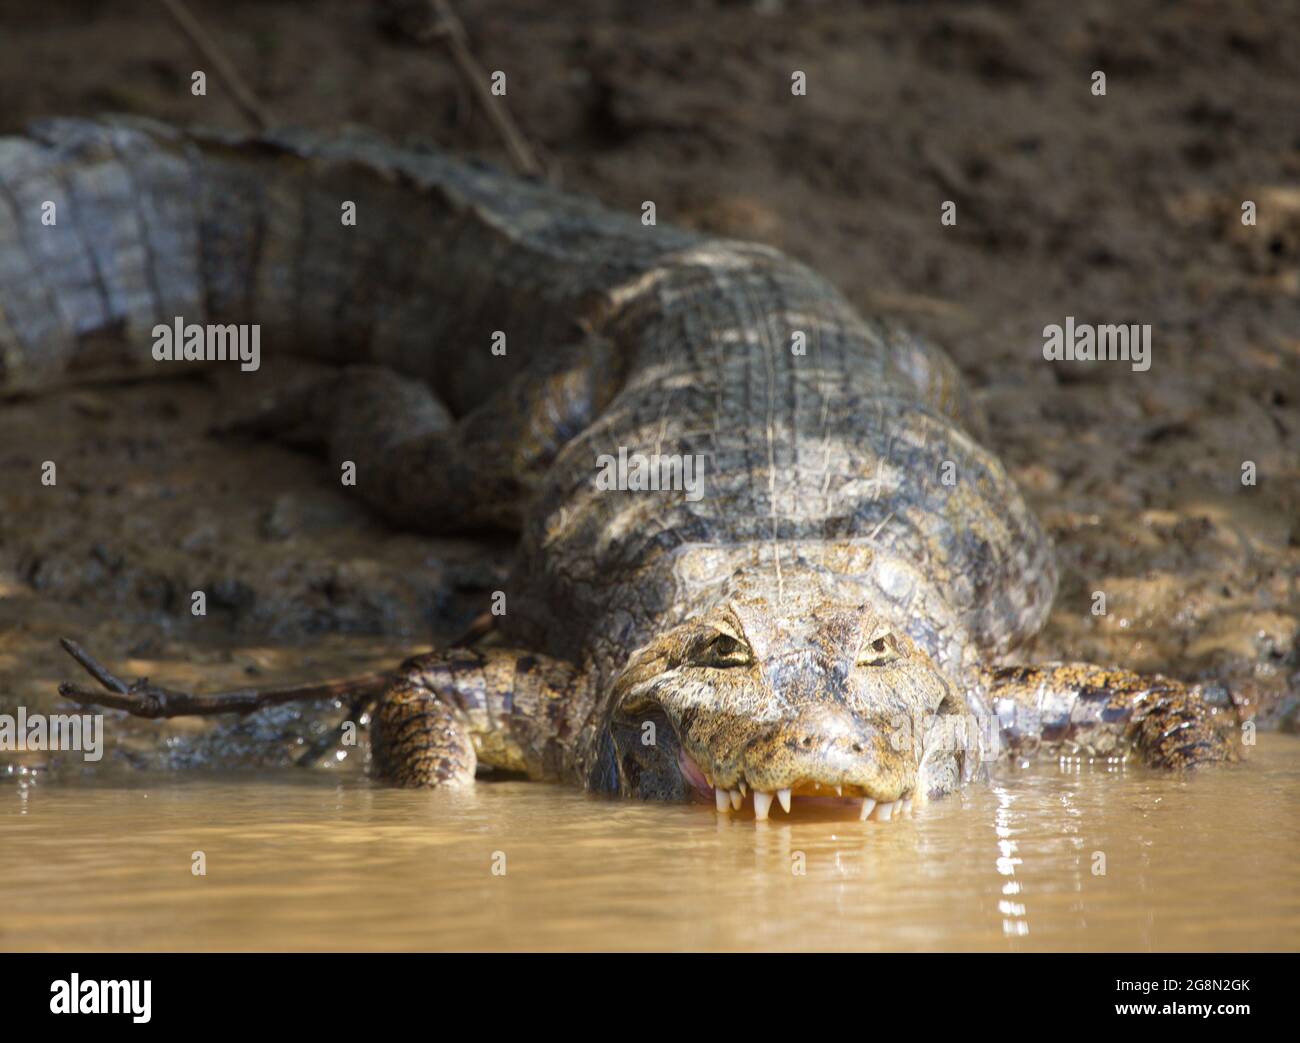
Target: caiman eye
[
  {"x": 722, "y": 650},
  {"x": 882, "y": 650}
]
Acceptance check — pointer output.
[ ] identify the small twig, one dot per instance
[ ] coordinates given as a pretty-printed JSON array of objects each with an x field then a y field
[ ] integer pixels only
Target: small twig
[
  {"x": 245, "y": 99},
  {"x": 949, "y": 177},
  {"x": 452, "y": 31},
  {"x": 147, "y": 700},
  {"x": 482, "y": 625}
]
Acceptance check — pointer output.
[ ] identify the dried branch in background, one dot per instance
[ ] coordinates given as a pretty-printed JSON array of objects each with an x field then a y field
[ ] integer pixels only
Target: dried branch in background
[
  {"x": 449, "y": 29},
  {"x": 257, "y": 113}
]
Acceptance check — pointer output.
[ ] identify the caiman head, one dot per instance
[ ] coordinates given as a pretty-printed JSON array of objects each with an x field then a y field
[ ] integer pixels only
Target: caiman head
[{"x": 751, "y": 702}]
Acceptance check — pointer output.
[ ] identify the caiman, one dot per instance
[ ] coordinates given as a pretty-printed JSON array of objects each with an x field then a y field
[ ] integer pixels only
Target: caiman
[{"x": 819, "y": 617}]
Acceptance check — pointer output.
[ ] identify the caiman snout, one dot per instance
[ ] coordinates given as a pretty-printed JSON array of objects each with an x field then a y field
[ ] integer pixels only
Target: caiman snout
[
  {"x": 815, "y": 703},
  {"x": 823, "y": 754}
]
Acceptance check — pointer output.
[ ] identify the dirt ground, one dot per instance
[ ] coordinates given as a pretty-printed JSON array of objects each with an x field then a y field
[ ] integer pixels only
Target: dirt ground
[{"x": 1124, "y": 208}]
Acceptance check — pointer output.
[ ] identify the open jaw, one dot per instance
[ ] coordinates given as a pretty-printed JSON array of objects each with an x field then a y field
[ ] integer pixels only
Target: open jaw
[{"x": 731, "y": 799}]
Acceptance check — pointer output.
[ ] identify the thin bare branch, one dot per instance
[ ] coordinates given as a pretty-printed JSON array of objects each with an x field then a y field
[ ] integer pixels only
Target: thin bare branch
[
  {"x": 481, "y": 625},
  {"x": 452, "y": 32},
  {"x": 257, "y": 113},
  {"x": 148, "y": 700}
]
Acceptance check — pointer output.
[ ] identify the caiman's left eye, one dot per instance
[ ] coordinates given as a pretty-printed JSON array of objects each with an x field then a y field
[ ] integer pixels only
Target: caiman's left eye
[
  {"x": 723, "y": 651},
  {"x": 882, "y": 650}
]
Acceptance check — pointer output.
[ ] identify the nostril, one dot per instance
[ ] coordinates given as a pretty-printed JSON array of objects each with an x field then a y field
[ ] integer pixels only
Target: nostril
[
  {"x": 807, "y": 740},
  {"x": 857, "y": 747}
]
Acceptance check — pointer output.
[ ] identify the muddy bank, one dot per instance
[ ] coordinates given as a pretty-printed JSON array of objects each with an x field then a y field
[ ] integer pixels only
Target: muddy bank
[{"x": 1116, "y": 209}]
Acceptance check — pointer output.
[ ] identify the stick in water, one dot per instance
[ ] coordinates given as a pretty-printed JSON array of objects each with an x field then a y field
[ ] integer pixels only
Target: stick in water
[{"x": 148, "y": 700}]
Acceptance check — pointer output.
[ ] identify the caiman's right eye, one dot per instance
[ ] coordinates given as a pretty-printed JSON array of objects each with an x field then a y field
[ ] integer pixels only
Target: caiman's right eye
[
  {"x": 880, "y": 652},
  {"x": 722, "y": 651}
]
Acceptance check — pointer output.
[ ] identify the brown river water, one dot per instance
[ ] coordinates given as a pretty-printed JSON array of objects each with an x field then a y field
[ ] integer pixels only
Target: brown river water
[{"x": 307, "y": 860}]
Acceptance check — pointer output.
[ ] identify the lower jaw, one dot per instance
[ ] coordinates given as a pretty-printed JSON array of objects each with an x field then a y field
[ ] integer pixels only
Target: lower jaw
[{"x": 762, "y": 804}]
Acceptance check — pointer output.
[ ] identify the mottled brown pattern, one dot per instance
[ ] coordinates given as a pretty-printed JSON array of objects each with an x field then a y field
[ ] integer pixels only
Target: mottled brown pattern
[
  {"x": 417, "y": 739},
  {"x": 1092, "y": 711}
]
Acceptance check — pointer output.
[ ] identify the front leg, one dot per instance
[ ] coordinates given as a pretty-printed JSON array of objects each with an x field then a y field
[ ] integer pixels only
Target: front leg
[
  {"x": 416, "y": 739},
  {"x": 439, "y": 715},
  {"x": 1101, "y": 712},
  {"x": 446, "y": 712}
]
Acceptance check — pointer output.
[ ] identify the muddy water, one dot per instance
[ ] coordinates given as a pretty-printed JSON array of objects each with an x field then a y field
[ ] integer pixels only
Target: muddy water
[{"x": 302, "y": 861}]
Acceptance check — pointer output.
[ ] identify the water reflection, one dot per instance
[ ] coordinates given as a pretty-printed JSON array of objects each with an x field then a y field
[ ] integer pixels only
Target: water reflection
[
  {"x": 302, "y": 861},
  {"x": 1014, "y": 923}
]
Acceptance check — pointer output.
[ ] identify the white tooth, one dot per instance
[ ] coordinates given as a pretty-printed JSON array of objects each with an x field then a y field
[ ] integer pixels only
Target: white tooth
[
  {"x": 907, "y": 806},
  {"x": 736, "y": 799},
  {"x": 743, "y": 788},
  {"x": 783, "y": 795},
  {"x": 762, "y": 802},
  {"x": 839, "y": 791},
  {"x": 867, "y": 805},
  {"x": 721, "y": 799},
  {"x": 883, "y": 811}
]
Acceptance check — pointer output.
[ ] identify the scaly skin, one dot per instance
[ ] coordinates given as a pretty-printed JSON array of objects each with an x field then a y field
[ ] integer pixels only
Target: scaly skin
[{"x": 820, "y": 622}]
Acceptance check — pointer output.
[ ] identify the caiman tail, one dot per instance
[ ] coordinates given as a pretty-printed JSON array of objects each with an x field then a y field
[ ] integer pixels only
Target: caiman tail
[{"x": 340, "y": 246}]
